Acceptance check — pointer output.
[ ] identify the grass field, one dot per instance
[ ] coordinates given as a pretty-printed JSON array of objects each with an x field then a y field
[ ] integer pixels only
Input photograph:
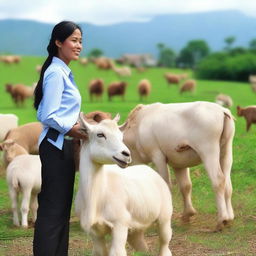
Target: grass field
[{"x": 196, "y": 238}]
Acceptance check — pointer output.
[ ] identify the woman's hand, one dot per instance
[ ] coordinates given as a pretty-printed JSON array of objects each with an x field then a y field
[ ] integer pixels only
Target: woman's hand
[{"x": 75, "y": 132}]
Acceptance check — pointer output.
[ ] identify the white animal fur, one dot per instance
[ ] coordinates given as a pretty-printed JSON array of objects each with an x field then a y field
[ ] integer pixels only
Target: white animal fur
[
  {"x": 23, "y": 176},
  {"x": 8, "y": 122},
  {"x": 184, "y": 135},
  {"x": 114, "y": 200}
]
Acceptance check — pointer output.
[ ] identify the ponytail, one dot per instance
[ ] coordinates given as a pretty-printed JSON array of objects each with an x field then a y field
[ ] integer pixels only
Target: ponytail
[{"x": 60, "y": 32}]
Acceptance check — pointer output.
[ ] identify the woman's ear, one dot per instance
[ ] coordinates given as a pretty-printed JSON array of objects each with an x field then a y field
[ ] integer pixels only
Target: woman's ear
[{"x": 58, "y": 43}]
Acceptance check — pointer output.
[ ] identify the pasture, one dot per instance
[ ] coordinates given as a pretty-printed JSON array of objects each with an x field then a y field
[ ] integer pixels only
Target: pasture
[{"x": 195, "y": 238}]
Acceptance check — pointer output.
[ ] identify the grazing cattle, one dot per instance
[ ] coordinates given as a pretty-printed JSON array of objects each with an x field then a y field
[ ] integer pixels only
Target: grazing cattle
[
  {"x": 249, "y": 113},
  {"x": 144, "y": 88},
  {"x": 103, "y": 63},
  {"x": 123, "y": 71},
  {"x": 83, "y": 61},
  {"x": 172, "y": 78},
  {"x": 96, "y": 87},
  {"x": 9, "y": 59},
  {"x": 19, "y": 92},
  {"x": 188, "y": 86},
  {"x": 141, "y": 69},
  {"x": 116, "y": 88},
  {"x": 115, "y": 201},
  {"x": 224, "y": 100},
  {"x": 184, "y": 135}
]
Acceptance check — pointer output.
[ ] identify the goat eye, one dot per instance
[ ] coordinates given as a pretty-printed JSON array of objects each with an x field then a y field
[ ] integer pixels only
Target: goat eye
[{"x": 101, "y": 135}]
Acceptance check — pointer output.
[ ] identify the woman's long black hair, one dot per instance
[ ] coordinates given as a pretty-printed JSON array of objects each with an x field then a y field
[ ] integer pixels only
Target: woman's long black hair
[{"x": 60, "y": 32}]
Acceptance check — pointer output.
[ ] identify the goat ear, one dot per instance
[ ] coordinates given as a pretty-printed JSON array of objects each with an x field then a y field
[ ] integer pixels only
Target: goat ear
[
  {"x": 122, "y": 126},
  {"x": 117, "y": 118},
  {"x": 6, "y": 144},
  {"x": 85, "y": 127}
]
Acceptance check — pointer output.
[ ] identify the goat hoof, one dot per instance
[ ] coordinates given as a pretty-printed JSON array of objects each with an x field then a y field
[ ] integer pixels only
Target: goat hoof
[
  {"x": 219, "y": 227},
  {"x": 186, "y": 216}
]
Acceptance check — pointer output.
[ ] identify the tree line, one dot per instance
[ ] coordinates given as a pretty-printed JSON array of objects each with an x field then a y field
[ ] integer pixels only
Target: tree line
[{"x": 231, "y": 63}]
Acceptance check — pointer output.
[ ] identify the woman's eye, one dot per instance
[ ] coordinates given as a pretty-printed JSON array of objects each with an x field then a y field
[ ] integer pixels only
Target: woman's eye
[{"x": 101, "y": 135}]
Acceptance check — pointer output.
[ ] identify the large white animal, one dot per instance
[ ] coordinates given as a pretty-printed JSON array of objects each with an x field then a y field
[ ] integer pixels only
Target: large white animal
[
  {"x": 23, "y": 176},
  {"x": 111, "y": 200},
  {"x": 184, "y": 135},
  {"x": 8, "y": 122}
]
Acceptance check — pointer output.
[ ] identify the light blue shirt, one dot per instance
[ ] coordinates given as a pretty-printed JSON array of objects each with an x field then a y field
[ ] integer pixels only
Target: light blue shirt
[{"x": 61, "y": 102}]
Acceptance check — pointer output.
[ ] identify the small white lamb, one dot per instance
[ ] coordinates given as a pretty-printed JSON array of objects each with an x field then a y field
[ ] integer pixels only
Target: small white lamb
[{"x": 23, "y": 176}]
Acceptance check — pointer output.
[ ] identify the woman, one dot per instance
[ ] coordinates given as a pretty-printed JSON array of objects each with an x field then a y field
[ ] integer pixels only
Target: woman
[{"x": 58, "y": 103}]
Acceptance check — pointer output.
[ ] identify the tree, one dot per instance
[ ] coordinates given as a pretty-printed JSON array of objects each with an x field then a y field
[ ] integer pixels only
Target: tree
[
  {"x": 229, "y": 41},
  {"x": 95, "y": 53},
  {"x": 166, "y": 56},
  {"x": 160, "y": 46},
  {"x": 252, "y": 44},
  {"x": 238, "y": 51},
  {"x": 192, "y": 53}
]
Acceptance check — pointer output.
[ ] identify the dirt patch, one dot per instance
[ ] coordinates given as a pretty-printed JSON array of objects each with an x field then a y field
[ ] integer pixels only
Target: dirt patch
[
  {"x": 181, "y": 243},
  {"x": 180, "y": 246},
  {"x": 17, "y": 247}
]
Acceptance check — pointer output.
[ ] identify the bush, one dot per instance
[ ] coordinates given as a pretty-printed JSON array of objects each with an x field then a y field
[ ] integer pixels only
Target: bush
[{"x": 223, "y": 66}]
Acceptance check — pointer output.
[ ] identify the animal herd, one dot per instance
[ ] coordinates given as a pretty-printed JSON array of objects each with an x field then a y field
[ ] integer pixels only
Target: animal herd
[
  {"x": 121, "y": 200},
  {"x": 119, "y": 193},
  {"x": 96, "y": 87}
]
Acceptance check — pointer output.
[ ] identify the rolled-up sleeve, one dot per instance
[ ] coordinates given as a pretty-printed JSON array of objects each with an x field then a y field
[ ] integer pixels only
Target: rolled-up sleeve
[{"x": 53, "y": 87}]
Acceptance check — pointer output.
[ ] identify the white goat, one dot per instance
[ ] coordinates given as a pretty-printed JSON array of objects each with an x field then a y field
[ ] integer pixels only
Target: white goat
[
  {"x": 184, "y": 135},
  {"x": 8, "y": 122},
  {"x": 114, "y": 200},
  {"x": 23, "y": 175}
]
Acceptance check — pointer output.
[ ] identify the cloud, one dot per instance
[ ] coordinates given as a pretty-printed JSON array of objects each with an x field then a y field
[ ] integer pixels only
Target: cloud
[{"x": 113, "y": 11}]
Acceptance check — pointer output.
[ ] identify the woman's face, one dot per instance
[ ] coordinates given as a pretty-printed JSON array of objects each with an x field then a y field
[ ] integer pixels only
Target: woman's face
[{"x": 70, "y": 49}]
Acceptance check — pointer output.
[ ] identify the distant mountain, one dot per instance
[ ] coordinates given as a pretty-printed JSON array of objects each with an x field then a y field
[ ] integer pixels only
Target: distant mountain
[{"x": 175, "y": 30}]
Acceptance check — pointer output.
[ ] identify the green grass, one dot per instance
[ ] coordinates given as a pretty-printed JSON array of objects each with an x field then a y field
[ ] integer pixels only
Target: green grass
[{"x": 195, "y": 238}]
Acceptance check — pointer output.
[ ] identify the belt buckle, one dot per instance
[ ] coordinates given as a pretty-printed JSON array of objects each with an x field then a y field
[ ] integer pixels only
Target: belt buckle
[{"x": 68, "y": 137}]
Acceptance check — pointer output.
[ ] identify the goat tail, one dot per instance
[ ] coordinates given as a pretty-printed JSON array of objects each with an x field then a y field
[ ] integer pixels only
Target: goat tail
[
  {"x": 226, "y": 142},
  {"x": 15, "y": 183},
  {"x": 228, "y": 114},
  {"x": 228, "y": 127}
]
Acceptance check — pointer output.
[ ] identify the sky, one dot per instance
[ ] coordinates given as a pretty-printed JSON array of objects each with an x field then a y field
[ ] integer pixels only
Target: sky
[{"x": 105, "y": 12}]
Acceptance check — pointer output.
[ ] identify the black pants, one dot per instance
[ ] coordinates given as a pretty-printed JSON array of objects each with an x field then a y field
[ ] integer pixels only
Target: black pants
[{"x": 51, "y": 235}]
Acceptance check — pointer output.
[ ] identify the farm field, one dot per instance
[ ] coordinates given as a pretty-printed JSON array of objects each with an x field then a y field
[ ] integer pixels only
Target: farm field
[{"x": 195, "y": 238}]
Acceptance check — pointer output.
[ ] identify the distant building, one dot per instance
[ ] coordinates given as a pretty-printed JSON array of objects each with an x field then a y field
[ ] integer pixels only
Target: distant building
[{"x": 137, "y": 60}]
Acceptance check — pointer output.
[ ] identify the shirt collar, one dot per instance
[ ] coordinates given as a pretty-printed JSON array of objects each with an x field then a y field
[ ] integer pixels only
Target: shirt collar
[{"x": 63, "y": 65}]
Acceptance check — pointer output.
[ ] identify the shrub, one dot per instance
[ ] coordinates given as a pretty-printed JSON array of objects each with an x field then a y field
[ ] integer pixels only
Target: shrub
[{"x": 223, "y": 66}]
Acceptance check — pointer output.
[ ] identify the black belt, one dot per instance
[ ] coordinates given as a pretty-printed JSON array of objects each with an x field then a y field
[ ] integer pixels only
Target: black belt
[{"x": 52, "y": 134}]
